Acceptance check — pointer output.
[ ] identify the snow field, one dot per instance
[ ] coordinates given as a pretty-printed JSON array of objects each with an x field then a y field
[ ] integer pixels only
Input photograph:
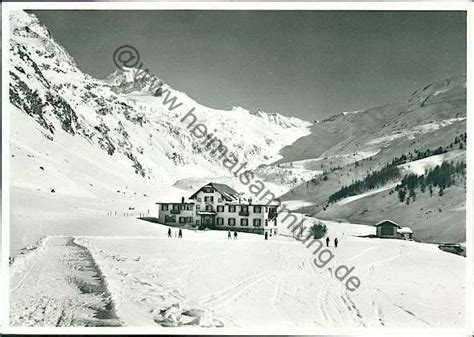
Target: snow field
[{"x": 208, "y": 281}]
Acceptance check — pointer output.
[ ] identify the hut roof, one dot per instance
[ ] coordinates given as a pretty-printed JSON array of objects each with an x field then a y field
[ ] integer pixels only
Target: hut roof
[
  {"x": 405, "y": 230},
  {"x": 380, "y": 223}
]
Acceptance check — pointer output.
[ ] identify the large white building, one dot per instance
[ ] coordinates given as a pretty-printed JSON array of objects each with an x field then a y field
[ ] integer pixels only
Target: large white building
[{"x": 219, "y": 206}]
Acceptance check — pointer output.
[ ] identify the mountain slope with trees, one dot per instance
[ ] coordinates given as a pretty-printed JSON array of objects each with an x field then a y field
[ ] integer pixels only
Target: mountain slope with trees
[{"x": 401, "y": 140}]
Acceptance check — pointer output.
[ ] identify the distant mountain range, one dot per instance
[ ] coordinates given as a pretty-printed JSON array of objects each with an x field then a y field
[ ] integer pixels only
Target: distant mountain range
[
  {"x": 349, "y": 146},
  {"x": 438, "y": 102}
]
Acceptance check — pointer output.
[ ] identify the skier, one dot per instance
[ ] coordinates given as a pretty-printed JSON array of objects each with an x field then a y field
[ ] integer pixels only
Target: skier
[
  {"x": 335, "y": 242},
  {"x": 180, "y": 234},
  {"x": 266, "y": 235},
  {"x": 235, "y": 235},
  {"x": 169, "y": 232},
  {"x": 229, "y": 236},
  {"x": 327, "y": 241}
]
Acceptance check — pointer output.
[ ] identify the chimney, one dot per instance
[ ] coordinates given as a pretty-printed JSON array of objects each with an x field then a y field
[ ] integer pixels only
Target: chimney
[
  {"x": 250, "y": 201},
  {"x": 182, "y": 200}
]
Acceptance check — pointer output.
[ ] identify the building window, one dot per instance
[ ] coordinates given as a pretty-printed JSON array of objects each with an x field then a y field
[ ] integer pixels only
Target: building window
[
  {"x": 209, "y": 199},
  {"x": 182, "y": 207},
  {"x": 208, "y": 190},
  {"x": 219, "y": 200},
  {"x": 198, "y": 207},
  {"x": 170, "y": 218},
  {"x": 257, "y": 222},
  {"x": 257, "y": 209},
  {"x": 182, "y": 219},
  {"x": 209, "y": 208},
  {"x": 244, "y": 210},
  {"x": 197, "y": 222},
  {"x": 176, "y": 207},
  {"x": 266, "y": 222},
  {"x": 272, "y": 212},
  {"x": 232, "y": 208},
  {"x": 198, "y": 199},
  {"x": 220, "y": 208},
  {"x": 231, "y": 221},
  {"x": 220, "y": 221},
  {"x": 164, "y": 207},
  {"x": 244, "y": 222},
  {"x": 189, "y": 207}
]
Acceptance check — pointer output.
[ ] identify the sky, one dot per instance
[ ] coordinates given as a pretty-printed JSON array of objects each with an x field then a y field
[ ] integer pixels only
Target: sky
[{"x": 308, "y": 64}]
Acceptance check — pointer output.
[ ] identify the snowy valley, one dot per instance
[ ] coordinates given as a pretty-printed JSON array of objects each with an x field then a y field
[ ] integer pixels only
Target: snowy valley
[{"x": 90, "y": 156}]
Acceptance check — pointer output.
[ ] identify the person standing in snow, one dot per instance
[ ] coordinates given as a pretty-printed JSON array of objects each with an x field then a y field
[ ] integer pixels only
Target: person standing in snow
[
  {"x": 169, "y": 232},
  {"x": 235, "y": 235},
  {"x": 180, "y": 234},
  {"x": 335, "y": 242},
  {"x": 327, "y": 241},
  {"x": 266, "y": 235},
  {"x": 229, "y": 236}
]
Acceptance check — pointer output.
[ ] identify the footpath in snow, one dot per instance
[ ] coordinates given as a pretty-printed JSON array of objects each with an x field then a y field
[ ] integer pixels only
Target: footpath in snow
[{"x": 59, "y": 284}]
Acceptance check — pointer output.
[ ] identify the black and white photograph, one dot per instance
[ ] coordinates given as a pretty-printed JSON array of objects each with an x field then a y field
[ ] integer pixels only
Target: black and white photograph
[{"x": 207, "y": 170}]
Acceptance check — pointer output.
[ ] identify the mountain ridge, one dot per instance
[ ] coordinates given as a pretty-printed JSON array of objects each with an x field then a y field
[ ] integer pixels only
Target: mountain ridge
[{"x": 47, "y": 85}]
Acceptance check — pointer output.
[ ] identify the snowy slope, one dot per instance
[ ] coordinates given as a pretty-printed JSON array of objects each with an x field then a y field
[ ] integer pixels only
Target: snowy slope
[
  {"x": 83, "y": 146},
  {"x": 90, "y": 155},
  {"x": 348, "y": 146},
  {"x": 427, "y": 110},
  {"x": 425, "y": 118},
  {"x": 433, "y": 218},
  {"x": 421, "y": 166},
  {"x": 131, "y": 124},
  {"x": 418, "y": 167}
]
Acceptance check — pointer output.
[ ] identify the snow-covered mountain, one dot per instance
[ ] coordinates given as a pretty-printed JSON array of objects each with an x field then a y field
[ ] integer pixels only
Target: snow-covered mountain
[
  {"x": 81, "y": 145},
  {"x": 123, "y": 117},
  {"x": 432, "y": 107},
  {"x": 348, "y": 146},
  {"x": 118, "y": 140}
]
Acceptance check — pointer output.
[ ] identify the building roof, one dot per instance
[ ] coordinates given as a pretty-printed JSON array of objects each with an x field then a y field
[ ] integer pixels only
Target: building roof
[
  {"x": 405, "y": 230},
  {"x": 380, "y": 223},
  {"x": 227, "y": 192}
]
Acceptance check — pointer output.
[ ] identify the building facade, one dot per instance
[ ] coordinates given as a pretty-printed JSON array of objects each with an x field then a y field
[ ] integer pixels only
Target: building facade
[
  {"x": 218, "y": 206},
  {"x": 390, "y": 229}
]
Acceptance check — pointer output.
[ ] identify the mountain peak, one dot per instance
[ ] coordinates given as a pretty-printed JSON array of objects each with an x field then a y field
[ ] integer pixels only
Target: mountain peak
[
  {"x": 127, "y": 80},
  {"x": 120, "y": 117},
  {"x": 28, "y": 33},
  {"x": 27, "y": 25}
]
